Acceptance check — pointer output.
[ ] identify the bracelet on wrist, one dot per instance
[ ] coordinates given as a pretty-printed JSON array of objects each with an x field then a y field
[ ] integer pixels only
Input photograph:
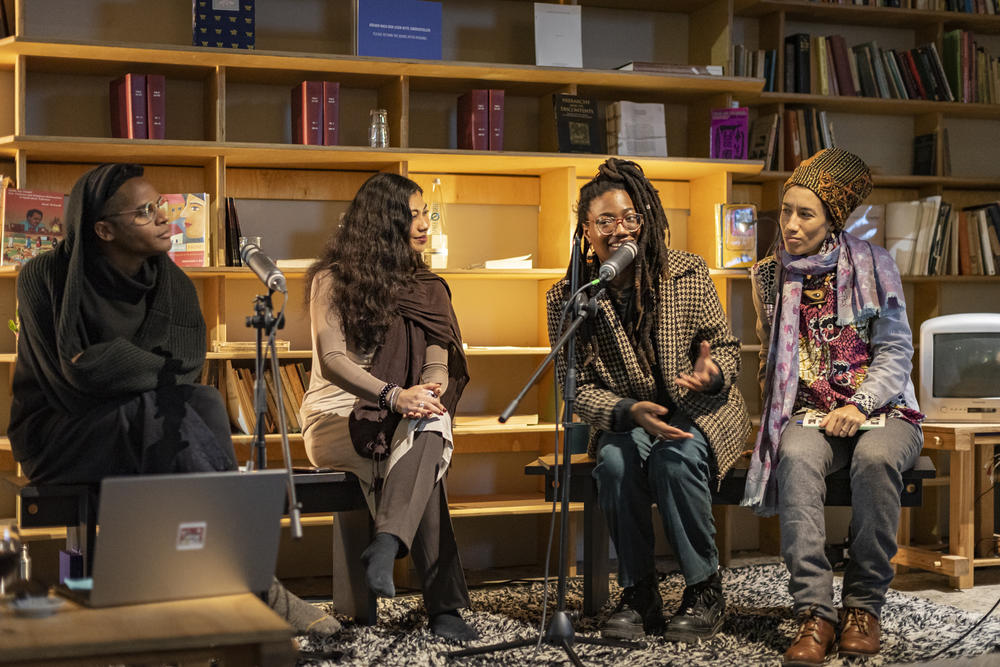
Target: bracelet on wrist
[
  {"x": 393, "y": 397},
  {"x": 384, "y": 394}
]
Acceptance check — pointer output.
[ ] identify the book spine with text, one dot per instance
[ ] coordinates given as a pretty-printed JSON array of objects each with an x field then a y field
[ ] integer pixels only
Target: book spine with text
[
  {"x": 156, "y": 105},
  {"x": 474, "y": 120},
  {"x": 496, "y": 104},
  {"x": 128, "y": 107},
  {"x": 307, "y": 113},
  {"x": 331, "y": 113}
]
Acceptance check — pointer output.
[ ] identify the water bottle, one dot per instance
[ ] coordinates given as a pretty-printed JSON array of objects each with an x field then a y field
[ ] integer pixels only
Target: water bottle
[
  {"x": 436, "y": 253},
  {"x": 24, "y": 572},
  {"x": 378, "y": 128}
]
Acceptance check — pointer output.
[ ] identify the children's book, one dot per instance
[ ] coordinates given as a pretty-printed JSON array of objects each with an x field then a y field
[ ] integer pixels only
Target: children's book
[
  {"x": 32, "y": 223},
  {"x": 188, "y": 214},
  {"x": 812, "y": 419}
]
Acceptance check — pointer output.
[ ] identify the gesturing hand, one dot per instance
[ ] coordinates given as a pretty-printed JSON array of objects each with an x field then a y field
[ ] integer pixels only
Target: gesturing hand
[
  {"x": 705, "y": 371},
  {"x": 843, "y": 422},
  {"x": 649, "y": 416},
  {"x": 419, "y": 401}
]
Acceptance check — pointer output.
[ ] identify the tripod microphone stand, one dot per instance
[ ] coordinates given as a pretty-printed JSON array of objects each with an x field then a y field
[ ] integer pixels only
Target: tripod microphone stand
[
  {"x": 560, "y": 631},
  {"x": 264, "y": 321}
]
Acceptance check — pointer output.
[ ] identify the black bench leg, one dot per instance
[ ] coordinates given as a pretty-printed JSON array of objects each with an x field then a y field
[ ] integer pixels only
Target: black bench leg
[
  {"x": 596, "y": 563},
  {"x": 352, "y": 533}
]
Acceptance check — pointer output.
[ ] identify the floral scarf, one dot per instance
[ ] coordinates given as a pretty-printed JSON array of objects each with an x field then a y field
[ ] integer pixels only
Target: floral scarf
[{"x": 868, "y": 284}]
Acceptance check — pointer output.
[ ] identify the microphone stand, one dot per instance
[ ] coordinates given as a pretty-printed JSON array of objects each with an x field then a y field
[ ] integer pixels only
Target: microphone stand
[
  {"x": 560, "y": 631},
  {"x": 264, "y": 320}
]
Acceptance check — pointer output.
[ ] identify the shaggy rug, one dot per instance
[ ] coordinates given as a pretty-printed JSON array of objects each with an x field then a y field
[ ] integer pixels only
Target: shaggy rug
[{"x": 757, "y": 629}]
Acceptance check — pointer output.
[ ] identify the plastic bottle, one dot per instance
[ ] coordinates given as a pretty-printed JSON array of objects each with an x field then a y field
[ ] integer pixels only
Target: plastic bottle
[
  {"x": 436, "y": 254},
  {"x": 24, "y": 572}
]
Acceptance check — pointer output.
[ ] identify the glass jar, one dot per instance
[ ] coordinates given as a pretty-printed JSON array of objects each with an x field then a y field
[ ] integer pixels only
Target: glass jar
[{"x": 378, "y": 128}]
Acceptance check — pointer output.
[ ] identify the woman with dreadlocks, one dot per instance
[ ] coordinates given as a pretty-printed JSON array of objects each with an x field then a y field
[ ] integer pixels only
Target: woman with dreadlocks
[{"x": 656, "y": 369}]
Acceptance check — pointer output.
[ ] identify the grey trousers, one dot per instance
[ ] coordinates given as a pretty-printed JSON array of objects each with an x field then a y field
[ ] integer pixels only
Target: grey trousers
[
  {"x": 877, "y": 459},
  {"x": 632, "y": 472},
  {"x": 414, "y": 507}
]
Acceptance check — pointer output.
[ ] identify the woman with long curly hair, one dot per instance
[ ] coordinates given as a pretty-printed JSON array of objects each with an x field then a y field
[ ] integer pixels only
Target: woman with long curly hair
[
  {"x": 387, "y": 373},
  {"x": 655, "y": 369}
]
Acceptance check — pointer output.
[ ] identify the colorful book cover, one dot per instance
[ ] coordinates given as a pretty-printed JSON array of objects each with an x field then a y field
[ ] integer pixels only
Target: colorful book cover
[
  {"x": 188, "y": 214},
  {"x": 32, "y": 224},
  {"x": 223, "y": 23},
  {"x": 399, "y": 29},
  {"x": 737, "y": 235},
  {"x": 730, "y": 132}
]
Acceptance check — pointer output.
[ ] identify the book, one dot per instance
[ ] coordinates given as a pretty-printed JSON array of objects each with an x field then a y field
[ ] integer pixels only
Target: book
[
  {"x": 331, "y": 113},
  {"x": 233, "y": 234},
  {"x": 558, "y": 36},
  {"x": 307, "y": 113},
  {"x": 841, "y": 65},
  {"x": 636, "y": 128},
  {"x": 668, "y": 68},
  {"x": 577, "y": 124},
  {"x": 797, "y": 59},
  {"x": 471, "y": 421},
  {"x": 929, "y": 209},
  {"x": 763, "y": 140},
  {"x": 240, "y": 408},
  {"x": 519, "y": 262},
  {"x": 399, "y": 29},
  {"x": 128, "y": 107},
  {"x": 474, "y": 120},
  {"x": 496, "y": 111},
  {"x": 924, "y": 154},
  {"x": 247, "y": 345},
  {"x": 867, "y": 222},
  {"x": 156, "y": 106},
  {"x": 729, "y": 133},
  {"x": 901, "y": 226},
  {"x": 812, "y": 419},
  {"x": 228, "y": 24},
  {"x": 793, "y": 147},
  {"x": 32, "y": 223},
  {"x": 189, "y": 221},
  {"x": 737, "y": 235}
]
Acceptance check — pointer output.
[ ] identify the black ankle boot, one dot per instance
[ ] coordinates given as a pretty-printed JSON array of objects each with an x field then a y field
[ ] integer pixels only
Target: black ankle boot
[
  {"x": 639, "y": 611},
  {"x": 701, "y": 613}
]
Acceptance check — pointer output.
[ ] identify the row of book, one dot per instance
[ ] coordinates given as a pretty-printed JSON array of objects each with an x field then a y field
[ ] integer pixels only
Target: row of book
[
  {"x": 33, "y": 224},
  {"x": 239, "y": 390},
  {"x": 972, "y": 71},
  {"x": 636, "y": 128},
  {"x": 931, "y": 237},
  {"x": 964, "y": 6},
  {"x": 316, "y": 113},
  {"x": 756, "y": 63},
  {"x": 138, "y": 104},
  {"x": 480, "y": 119},
  {"x": 805, "y": 131}
]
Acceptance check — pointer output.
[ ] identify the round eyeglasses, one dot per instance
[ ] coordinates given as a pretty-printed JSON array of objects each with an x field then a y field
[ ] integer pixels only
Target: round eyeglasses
[
  {"x": 607, "y": 224},
  {"x": 146, "y": 213}
]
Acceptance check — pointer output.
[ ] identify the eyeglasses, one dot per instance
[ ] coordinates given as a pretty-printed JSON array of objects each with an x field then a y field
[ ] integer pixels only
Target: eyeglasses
[
  {"x": 146, "y": 213},
  {"x": 607, "y": 224}
]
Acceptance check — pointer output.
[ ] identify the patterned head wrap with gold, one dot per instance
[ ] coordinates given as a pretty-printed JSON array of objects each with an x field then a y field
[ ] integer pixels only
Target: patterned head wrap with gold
[{"x": 840, "y": 179}]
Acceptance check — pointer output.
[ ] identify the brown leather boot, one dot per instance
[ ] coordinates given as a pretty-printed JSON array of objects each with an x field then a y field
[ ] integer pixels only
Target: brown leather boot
[
  {"x": 859, "y": 633},
  {"x": 814, "y": 642}
]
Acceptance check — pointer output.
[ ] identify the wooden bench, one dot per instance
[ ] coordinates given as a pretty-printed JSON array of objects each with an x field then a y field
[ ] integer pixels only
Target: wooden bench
[
  {"x": 75, "y": 508},
  {"x": 596, "y": 561}
]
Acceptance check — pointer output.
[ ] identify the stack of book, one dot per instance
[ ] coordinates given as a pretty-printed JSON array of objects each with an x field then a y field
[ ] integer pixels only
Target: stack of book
[
  {"x": 239, "y": 391},
  {"x": 480, "y": 119},
  {"x": 634, "y": 128},
  {"x": 138, "y": 106},
  {"x": 316, "y": 113}
]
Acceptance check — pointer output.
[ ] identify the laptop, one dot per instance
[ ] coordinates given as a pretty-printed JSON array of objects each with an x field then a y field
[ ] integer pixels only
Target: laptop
[{"x": 171, "y": 537}]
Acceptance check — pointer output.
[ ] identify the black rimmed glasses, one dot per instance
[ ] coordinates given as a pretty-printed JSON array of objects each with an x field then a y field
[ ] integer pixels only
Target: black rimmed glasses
[
  {"x": 607, "y": 224},
  {"x": 146, "y": 213}
]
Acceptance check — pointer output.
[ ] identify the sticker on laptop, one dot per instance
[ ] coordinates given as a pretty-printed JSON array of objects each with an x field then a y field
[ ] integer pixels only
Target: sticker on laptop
[{"x": 191, "y": 535}]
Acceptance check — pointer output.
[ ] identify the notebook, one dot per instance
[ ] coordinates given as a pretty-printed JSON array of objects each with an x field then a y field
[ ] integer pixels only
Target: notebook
[{"x": 170, "y": 537}]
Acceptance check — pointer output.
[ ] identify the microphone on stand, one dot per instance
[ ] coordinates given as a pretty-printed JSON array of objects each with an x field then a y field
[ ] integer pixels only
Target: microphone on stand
[
  {"x": 619, "y": 261},
  {"x": 266, "y": 269}
]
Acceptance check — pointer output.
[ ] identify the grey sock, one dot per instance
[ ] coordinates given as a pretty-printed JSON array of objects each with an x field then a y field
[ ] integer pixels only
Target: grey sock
[
  {"x": 449, "y": 625},
  {"x": 302, "y": 616},
  {"x": 378, "y": 560}
]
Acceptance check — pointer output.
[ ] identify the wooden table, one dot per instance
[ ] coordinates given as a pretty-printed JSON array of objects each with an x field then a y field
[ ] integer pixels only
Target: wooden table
[
  {"x": 235, "y": 629},
  {"x": 969, "y": 448}
]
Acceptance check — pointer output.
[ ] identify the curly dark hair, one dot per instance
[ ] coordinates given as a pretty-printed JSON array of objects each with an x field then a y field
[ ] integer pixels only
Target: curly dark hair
[
  {"x": 651, "y": 263},
  {"x": 370, "y": 259}
]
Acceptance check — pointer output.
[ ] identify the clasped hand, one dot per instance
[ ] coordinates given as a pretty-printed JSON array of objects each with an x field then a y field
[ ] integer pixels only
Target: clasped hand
[
  {"x": 843, "y": 422},
  {"x": 420, "y": 400}
]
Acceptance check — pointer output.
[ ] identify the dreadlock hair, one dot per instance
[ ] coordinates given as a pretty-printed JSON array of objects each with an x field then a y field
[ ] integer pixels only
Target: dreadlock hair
[
  {"x": 370, "y": 259},
  {"x": 651, "y": 263}
]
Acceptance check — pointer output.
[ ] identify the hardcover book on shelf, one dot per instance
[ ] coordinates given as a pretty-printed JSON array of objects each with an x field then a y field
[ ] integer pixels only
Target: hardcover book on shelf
[
  {"x": 577, "y": 124},
  {"x": 399, "y": 29},
  {"x": 737, "y": 228},
  {"x": 669, "y": 68},
  {"x": 233, "y": 234},
  {"x": 901, "y": 226},
  {"x": 558, "y": 41},
  {"x": 867, "y": 222},
  {"x": 637, "y": 129},
  {"x": 496, "y": 106},
  {"x": 730, "y": 133},
  {"x": 474, "y": 120},
  {"x": 156, "y": 106},
  {"x": 331, "y": 113},
  {"x": 228, "y": 24},
  {"x": 307, "y": 113},
  {"x": 797, "y": 59},
  {"x": 32, "y": 223},
  {"x": 129, "y": 107},
  {"x": 189, "y": 221},
  {"x": 924, "y": 153}
]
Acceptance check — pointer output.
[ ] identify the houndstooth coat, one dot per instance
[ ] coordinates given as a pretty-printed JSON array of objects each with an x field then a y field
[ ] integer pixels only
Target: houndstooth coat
[{"x": 689, "y": 311}]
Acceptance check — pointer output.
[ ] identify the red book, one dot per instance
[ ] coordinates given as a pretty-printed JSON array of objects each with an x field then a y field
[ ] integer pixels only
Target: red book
[
  {"x": 496, "y": 119},
  {"x": 841, "y": 65},
  {"x": 307, "y": 113},
  {"x": 331, "y": 113},
  {"x": 912, "y": 66},
  {"x": 128, "y": 107},
  {"x": 156, "y": 105},
  {"x": 474, "y": 120}
]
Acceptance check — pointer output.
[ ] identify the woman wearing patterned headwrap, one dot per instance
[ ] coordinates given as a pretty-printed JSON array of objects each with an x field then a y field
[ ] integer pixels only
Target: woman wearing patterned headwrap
[
  {"x": 834, "y": 340},
  {"x": 656, "y": 368}
]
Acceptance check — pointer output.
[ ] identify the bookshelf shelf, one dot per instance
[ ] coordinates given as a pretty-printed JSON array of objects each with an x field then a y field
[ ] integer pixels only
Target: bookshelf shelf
[
  {"x": 882, "y": 106},
  {"x": 233, "y": 356},
  {"x": 800, "y": 10},
  {"x": 893, "y": 181}
]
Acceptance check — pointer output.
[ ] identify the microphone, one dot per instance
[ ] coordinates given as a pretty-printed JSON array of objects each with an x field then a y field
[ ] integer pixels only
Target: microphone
[
  {"x": 618, "y": 262},
  {"x": 264, "y": 267}
]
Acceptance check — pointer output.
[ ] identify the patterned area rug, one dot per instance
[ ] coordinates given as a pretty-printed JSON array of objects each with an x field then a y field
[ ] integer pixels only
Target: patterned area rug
[{"x": 757, "y": 629}]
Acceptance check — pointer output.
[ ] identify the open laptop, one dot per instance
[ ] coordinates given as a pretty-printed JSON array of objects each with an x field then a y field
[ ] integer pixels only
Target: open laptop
[{"x": 169, "y": 537}]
